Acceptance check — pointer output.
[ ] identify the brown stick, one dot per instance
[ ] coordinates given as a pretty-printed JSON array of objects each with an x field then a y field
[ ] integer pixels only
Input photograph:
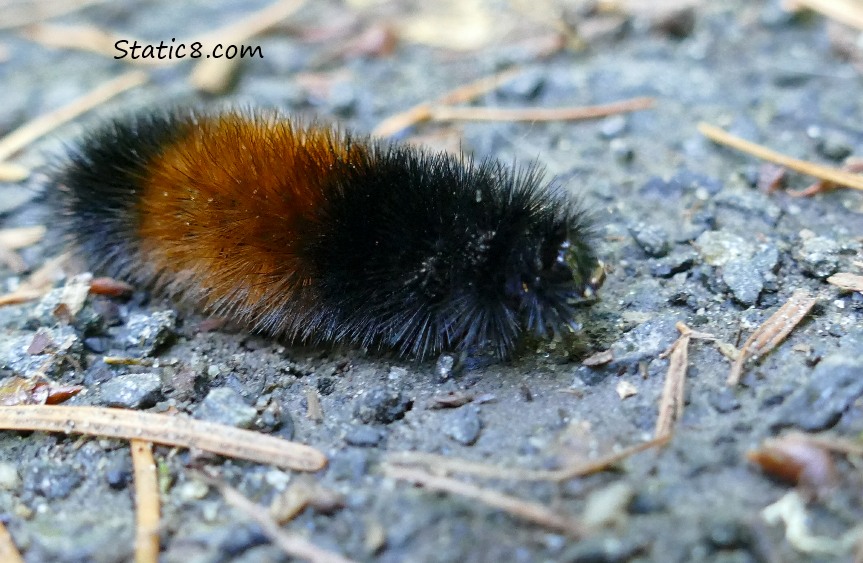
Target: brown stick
[
  {"x": 827, "y": 173},
  {"x": 772, "y": 331},
  {"x": 423, "y": 112},
  {"x": 29, "y": 132},
  {"x": 522, "y": 509},
  {"x": 448, "y": 113},
  {"x": 163, "y": 429},
  {"x": 442, "y": 464},
  {"x": 146, "y": 503},
  {"x": 292, "y": 544},
  {"x": 214, "y": 75},
  {"x": 8, "y": 552},
  {"x": 849, "y": 12}
]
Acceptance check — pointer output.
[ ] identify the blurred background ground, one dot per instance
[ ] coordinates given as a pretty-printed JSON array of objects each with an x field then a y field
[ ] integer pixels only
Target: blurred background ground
[{"x": 690, "y": 230}]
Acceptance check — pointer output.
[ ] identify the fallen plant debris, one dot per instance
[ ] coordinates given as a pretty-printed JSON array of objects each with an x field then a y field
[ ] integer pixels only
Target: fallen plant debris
[
  {"x": 214, "y": 75},
  {"x": 146, "y": 503},
  {"x": 852, "y": 165},
  {"x": 599, "y": 359},
  {"x": 35, "y": 391},
  {"x": 14, "y": 239},
  {"x": 848, "y": 12},
  {"x": 29, "y": 132},
  {"x": 773, "y": 331},
  {"x": 450, "y": 400},
  {"x": 8, "y": 551},
  {"x": 423, "y": 111},
  {"x": 827, "y": 173},
  {"x": 292, "y": 544},
  {"x": 796, "y": 461},
  {"x": 671, "y": 404},
  {"x": 847, "y": 281},
  {"x": 625, "y": 389},
  {"x": 301, "y": 494},
  {"x": 449, "y": 113},
  {"x": 790, "y": 510},
  {"x": 519, "y": 508},
  {"x": 314, "y": 409},
  {"x": 166, "y": 430},
  {"x": 38, "y": 284},
  {"x": 109, "y": 287},
  {"x": 18, "y": 14},
  {"x": 446, "y": 465}
]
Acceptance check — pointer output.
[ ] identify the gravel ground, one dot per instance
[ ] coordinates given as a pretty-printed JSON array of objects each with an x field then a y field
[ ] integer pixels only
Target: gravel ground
[{"x": 687, "y": 230}]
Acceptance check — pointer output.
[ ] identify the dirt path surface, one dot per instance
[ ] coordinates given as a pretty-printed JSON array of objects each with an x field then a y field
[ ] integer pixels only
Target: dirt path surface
[{"x": 690, "y": 231}]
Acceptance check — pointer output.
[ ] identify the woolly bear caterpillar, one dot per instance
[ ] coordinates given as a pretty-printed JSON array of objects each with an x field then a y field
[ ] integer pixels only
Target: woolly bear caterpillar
[{"x": 320, "y": 236}]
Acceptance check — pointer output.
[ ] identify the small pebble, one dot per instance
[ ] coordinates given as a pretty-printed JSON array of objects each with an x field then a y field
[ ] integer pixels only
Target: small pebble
[
  {"x": 364, "y": 436},
  {"x": 151, "y": 332},
  {"x": 132, "y": 391},
  {"x": 835, "y": 384},
  {"x": 226, "y": 406},
  {"x": 463, "y": 425},
  {"x": 382, "y": 404},
  {"x": 652, "y": 239},
  {"x": 819, "y": 257},
  {"x": 744, "y": 281}
]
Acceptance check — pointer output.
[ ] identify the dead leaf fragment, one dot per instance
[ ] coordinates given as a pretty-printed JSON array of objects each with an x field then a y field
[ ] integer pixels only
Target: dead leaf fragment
[
  {"x": 450, "y": 400},
  {"x": 110, "y": 287},
  {"x": 41, "y": 342},
  {"x": 625, "y": 390},
  {"x": 795, "y": 461},
  {"x": 598, "y": 359},
  {"x": 302, "y": 494},
  {"x": 846, "y": 281},
  {"x": 34, "y": 391}
]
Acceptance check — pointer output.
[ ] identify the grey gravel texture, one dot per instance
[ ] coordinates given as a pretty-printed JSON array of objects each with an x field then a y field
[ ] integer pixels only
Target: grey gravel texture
[{"x": 687, "y": 232}]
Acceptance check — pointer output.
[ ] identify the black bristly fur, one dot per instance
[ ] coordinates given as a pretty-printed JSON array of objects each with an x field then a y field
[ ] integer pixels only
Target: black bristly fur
[
  {"x": 409, "y": 250},
  {"x": 425, "y": 252},
  {"x": 99, "y": 183}
]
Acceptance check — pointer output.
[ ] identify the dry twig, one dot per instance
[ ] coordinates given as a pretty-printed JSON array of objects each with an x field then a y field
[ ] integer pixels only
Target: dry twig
[
  {"x": 773, "y": 331},
  {"x": 8, "y": 552},
  {"x": 424, "y": 111},
  {"x": 86, "y": 38},
  {"x": 29, "y": 132},
  {"x": 11, "y": 172},
  {"x": 292, "y": 544},
  {"x": 671, "y": 405},
  {"x": 214, "y": 75},
  {"x": 445, "y": 465},
  {"x": 314, "y": 410},
  {"x": 146, "y": 503},
  {"x": 849, "y": 12},
  {"x": 164, "y": 429},
  {"x": 449, "y": 113},
  {"x": 822, "y": 172},
  {"x": 847, "y": 281},
  {"x": 16, "y": 238},
  {"x": 522, "y": 509},
  {"x": 39, "y": 10},
  {"x": 38, "y": 284}
]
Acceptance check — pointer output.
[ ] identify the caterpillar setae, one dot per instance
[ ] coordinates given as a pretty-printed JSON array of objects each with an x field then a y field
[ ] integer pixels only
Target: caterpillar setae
[{"x": 316, "y": 235}]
